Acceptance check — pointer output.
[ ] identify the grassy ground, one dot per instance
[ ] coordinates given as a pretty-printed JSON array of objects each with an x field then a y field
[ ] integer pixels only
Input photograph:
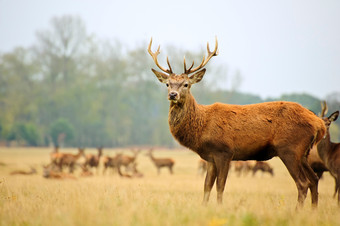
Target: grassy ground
[{"x": 153, "y": 200}]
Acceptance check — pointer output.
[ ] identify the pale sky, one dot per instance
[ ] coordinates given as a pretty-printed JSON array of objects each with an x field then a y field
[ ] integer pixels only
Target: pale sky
[{"x": 280, "y": 47}]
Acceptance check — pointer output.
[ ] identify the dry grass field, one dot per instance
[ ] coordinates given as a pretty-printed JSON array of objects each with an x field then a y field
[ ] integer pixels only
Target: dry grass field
[{"x": 152, "y": 200}]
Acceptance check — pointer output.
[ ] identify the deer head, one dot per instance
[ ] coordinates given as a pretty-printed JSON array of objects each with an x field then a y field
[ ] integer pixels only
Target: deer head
[
  {"x": 328, "y": 120},
  {"x": 179, "y": 84}
]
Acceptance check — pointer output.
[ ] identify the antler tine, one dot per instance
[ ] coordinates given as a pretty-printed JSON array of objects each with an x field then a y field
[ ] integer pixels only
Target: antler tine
[
  {"x": 154, "y": 57},
  {"x": 324, "y": 108},
  {"x": 205, "y": 60},
  {"x": 185, "y": 66},
  {"x": 170, "y": 69}
]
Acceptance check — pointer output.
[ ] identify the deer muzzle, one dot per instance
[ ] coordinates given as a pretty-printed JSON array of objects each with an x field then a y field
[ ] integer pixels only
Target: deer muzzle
[{"x": 173, "y": 96}]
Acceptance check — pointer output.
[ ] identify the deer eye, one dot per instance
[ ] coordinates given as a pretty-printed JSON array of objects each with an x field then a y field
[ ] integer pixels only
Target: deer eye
[
  {"x": 186, "y": 85},
  {"x": 167, "y": 85}
]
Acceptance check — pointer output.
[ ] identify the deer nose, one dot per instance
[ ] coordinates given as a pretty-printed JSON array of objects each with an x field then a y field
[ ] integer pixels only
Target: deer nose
[{"x": 173, "y": 95}]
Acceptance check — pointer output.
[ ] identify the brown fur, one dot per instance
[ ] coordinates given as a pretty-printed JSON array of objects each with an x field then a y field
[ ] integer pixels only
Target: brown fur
[
  {"x": 92, "y": 160},
  {"x": 329, "y": 152},
  {"x": 111, "y": 162},
  {"x": 68, "y": 159},
  {"x": 128, "y": 161},
  {"x": 161, "y": 162},
  {"x": 50, "y": 173},
  {"x": 222, "y": 132},
  {"x": 315, "y": 162}
]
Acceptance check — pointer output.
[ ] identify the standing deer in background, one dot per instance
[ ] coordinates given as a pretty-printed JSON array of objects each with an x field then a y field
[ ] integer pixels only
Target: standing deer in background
[
  {"x": 127, "y": 161},
  {"x": 314, "y": 159},
  {"x": 161, "y": 162},
  {"x": 202, "y": 167},
  {"x": 316, "y": 163},
  {"x": 92, "y": 160},
  {"x": 242, "y": 167},
  {"x": 69, "y": 160},
  {"x": 329, "y": 152},
  {"x": 219, "y": 133},
  {"x": 55, "y": 155},
  {"x": 111, "y": 162},
  {"x": 262, "y": 166}
]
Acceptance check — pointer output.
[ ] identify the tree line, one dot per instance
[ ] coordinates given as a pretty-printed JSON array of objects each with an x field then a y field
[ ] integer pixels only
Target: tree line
[{"x": 72, "y": 89}]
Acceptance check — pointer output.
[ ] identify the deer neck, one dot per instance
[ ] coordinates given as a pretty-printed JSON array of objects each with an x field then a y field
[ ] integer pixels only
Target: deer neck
[
  {"x": 77, "y": 156},
  {"x": 186, "y": 121},
  {"x": 324, "y": 147}
]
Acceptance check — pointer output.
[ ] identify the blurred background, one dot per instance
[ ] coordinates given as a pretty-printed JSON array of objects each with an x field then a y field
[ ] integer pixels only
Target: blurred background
[{"x": 77, "y": 73}]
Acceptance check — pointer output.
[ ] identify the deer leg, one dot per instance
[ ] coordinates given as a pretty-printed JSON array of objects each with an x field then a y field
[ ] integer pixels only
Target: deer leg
[
  {"x": 170, "y": 169},
  {"x": 70, "y": 167},
  {"x": 222, "y": 162},
  {"x": 336, "y": 190},
  {"x": 209, "y": 181},
  {"x": 296, "y": 170},
  {"x": 312, "y": 177}
]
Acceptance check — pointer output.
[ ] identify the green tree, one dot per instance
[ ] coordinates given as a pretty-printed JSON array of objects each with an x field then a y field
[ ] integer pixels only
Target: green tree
[{"x": 61, "y": 131}]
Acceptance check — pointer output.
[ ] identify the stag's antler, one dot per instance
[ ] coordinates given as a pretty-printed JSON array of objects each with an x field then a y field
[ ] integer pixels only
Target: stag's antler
[
  {"x": 154, "y": 57},
  {"x": 204, "y": 61},
  {"x": 324, "y": 109}
]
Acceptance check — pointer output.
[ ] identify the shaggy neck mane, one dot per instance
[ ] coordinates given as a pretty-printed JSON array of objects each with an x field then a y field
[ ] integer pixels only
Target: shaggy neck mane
[{"x": 186, "y": 121}]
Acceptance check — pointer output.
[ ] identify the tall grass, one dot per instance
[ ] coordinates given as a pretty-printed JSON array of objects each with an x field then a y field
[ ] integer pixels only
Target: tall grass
[{"x": 153, "y": 200}]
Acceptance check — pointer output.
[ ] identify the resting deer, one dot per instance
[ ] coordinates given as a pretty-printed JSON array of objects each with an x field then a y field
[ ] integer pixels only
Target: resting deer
[
  {"x": 329, "y": 152},
  {"x": 85, "y": 171},
  {"x": 92, "y": 160},
  {"x": 50, "y": 173},
  {"x": 262, "y": 166},
  {"x": 161, "y": 162},
  {"x": 68, "y": 159},
  {"x": 219, "y": 133},
  {"x": 24, "y": 172}
]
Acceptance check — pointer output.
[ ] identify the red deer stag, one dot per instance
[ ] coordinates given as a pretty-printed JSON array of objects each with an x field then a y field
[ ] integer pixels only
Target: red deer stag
[
  {"x": 220, "y": 132},
  {"x": 329, "y": 152},
  {"x": 262, "y": 166},
  {"x": 92, "y": 160},
  {"x": 161, "y": 162}
]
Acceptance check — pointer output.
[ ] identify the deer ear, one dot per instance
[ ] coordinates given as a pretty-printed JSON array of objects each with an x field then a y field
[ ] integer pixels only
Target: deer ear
[
  {"x": 197, "y": 77},
  {"x": 163, "y": 78},
  {"x": 334, "y": 116}
]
